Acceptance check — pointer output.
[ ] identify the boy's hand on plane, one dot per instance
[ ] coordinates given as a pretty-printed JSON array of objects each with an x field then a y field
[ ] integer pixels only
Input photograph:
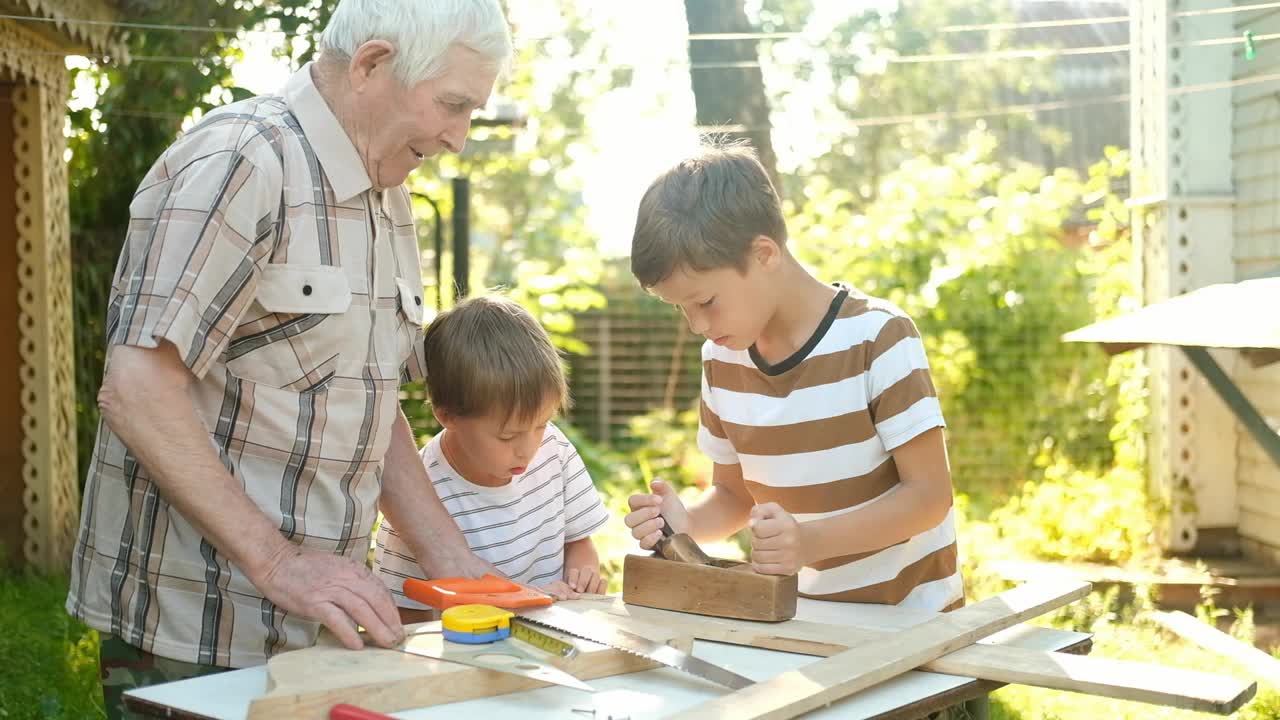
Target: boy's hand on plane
[
  {"x": 585, "y": 580},
  {"x": 775, "y": 540},
  {"x": 559, "y": 590},
  {"x": 648, "y": 510}
]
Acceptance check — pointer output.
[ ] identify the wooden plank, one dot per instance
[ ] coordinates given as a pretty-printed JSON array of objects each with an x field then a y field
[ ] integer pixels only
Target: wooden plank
[
  {"x": 1211, "y": 638},
  {"x": 845, "y": 673},
  {"x": 1122, "y": 680},
  {"x": 304, "y": 684}
]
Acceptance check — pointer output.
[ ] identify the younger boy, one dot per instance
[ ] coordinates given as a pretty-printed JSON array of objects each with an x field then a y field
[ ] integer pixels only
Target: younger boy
[
  {"x": 512, "y": 482},
  {"x": 817, "y": 408}
]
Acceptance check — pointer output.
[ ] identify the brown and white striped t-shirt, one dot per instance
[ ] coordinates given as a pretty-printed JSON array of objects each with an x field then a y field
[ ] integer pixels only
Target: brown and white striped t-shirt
[{"x": 814, "y": 433}]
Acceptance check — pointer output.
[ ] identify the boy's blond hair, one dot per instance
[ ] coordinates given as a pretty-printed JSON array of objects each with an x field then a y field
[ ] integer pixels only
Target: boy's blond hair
[
  {"x": 703, "y": 213},
  {"x": 488, "y": 355}
]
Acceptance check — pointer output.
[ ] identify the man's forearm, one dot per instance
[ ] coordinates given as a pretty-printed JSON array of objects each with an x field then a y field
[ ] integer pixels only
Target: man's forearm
[
  {"x": 411, "y": 504},
  {"x": 903, "y": 513},
  {"x": 144, "y": 401}
]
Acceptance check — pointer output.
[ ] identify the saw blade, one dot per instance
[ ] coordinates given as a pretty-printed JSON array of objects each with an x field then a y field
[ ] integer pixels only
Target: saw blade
[{"x": 606, "y": 633}]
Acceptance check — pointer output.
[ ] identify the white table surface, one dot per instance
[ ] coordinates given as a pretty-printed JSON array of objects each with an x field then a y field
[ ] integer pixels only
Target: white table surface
[{"x": 643, "y": 695}]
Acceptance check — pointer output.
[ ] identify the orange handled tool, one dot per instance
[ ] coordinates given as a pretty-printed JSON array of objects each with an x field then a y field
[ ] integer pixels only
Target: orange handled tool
[
  {"x": 492, "y": 590},
  {"x": 342, "y": 711}
]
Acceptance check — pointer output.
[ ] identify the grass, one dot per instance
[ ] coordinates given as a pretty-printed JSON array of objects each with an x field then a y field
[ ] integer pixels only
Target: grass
[{"x": 50, "y": 661}]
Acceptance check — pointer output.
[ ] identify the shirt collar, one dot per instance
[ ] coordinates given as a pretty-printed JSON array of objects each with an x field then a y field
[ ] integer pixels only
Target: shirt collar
[{"x": 328, "y": 140}]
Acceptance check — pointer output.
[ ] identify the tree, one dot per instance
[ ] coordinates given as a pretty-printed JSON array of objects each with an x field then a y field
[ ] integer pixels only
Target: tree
[
  {"x": 723, "y": 94},
  {"x": 140, "y": 107}
]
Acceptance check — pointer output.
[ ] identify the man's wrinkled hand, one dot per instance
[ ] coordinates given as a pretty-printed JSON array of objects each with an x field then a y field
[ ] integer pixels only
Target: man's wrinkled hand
[{"x": 335, "y": 591}]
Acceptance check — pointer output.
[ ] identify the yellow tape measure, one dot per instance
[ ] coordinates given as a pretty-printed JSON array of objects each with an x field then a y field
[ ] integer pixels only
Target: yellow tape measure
[
  {"x": 473, "y": 624},
  {"x": 543, "y": 641}
]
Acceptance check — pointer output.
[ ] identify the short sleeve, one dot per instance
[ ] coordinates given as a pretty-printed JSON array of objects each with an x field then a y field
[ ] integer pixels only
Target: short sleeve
[
  {"x": 584, "y": 512},
  {"x": 903, "y": 400},
  {"x": 712, "y": 439},
  {"x": 199, "y": 236}
]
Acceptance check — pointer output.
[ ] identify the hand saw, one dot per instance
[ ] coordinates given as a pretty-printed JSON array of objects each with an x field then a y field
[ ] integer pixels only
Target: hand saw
[{"x": 534, "y": 606}]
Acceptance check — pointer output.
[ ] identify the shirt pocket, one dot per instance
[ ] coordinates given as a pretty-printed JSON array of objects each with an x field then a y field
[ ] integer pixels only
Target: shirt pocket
[
  {"x": 408, "y": 336},
  {"x": 297, "y": 331}
]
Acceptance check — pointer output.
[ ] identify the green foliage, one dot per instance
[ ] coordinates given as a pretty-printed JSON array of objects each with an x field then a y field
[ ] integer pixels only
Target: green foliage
[
  {"x": 140, "y": 107},
  {"x": 845, "y": 52},
  {"x": 50, "y": 668},
  {"x": 974, "y": 251},
  {"x": 666, "y": 448},
  {"x": 554, "y": 291},
  {"x": 529, "y": 224},
  {"x": 1079, "y": 515}
]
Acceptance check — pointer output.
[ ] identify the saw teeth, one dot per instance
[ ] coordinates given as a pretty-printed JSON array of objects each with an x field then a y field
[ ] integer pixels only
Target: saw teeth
[{"x": 592, "y": 640}]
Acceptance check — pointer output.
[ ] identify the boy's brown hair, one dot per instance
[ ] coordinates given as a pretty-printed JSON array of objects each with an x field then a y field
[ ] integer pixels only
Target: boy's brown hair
[
  {"x": 488, "y": 355},
  {"x": 703, "y": 213}
]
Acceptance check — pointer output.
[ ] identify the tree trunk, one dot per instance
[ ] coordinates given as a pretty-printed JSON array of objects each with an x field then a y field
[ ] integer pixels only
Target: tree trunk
[{"x": 729, "y": 96}]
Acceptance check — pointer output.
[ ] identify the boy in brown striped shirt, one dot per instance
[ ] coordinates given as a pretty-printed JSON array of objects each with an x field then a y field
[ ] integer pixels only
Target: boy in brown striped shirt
[{"x": 817, "y": 408}]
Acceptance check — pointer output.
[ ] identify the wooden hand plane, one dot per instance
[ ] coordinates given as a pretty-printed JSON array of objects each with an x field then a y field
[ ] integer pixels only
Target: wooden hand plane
[{"x": 681, "y": 576}]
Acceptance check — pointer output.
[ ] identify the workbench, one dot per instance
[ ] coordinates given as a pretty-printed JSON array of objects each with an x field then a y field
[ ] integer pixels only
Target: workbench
[{"x": 652, "y": 693}]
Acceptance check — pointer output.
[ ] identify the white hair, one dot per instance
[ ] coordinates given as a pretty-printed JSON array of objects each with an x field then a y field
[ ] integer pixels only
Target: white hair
[{"x": 421, "y": 31}]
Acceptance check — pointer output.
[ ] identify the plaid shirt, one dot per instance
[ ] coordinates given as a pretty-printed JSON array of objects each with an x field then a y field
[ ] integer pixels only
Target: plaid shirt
[{"x": 293, "y": 292}]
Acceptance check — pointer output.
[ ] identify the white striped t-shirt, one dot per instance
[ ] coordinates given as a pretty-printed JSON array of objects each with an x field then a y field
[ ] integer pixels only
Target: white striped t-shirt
[
  {"x": 815, "y": 434},
  {"x": 520, "y": 527}
]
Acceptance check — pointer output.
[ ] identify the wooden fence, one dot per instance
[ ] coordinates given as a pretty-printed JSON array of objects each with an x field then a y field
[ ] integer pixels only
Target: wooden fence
[{"x": 642, "y": 357}]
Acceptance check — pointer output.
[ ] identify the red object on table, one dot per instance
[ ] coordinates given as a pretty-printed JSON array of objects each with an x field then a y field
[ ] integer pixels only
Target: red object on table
[
  {"x": 492, "y": 590},
  {"x": 342, "y": 711}
]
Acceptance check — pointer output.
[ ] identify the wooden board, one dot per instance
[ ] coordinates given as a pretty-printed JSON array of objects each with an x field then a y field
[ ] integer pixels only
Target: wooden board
[
  {"x": 845, "y": 673},
  {"x": 1141, "y": 682},
  {"x": 1211, "y": 638},
  {"x": 304, "y": 684},
  {"x": 1122, "y": 680},
  {"x": 656, "y": 693},
  {"x": 726, "y": 588}
]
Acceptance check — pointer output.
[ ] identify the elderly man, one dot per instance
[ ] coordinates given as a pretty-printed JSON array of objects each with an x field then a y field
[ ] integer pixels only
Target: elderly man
[{"x": 266, "y": 308}]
